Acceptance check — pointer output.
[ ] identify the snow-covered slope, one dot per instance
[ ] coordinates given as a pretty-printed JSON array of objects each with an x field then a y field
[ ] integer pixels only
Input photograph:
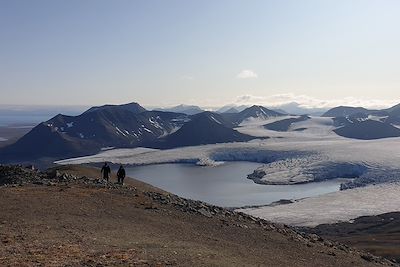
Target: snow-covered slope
[
  {"x": 334, "y": 207},
  {"x": 313, "y": 128}
]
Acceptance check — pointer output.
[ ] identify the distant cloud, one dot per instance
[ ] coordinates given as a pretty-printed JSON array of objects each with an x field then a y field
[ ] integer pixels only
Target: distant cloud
[
  {"x": 247, "y": 74},
  {"x": 187, "y": 77},
  {"x": 312, "y": 102}
]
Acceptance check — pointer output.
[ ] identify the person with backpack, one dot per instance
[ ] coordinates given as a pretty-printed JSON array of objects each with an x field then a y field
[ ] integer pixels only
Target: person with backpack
[
  {"x": 121, "y": 175},
  {"x": 106, "y": 170}
]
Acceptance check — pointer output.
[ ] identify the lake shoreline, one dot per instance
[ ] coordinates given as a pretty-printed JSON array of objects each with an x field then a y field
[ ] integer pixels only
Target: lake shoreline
[{"x": 224, "y": 185}]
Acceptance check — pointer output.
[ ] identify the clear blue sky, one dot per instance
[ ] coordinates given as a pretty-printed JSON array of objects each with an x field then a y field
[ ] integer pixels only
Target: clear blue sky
[{"x": 198, "y": 52}]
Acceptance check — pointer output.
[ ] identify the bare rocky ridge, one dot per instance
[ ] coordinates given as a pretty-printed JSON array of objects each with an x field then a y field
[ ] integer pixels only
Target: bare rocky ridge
[{"x": 66, "y": 217}]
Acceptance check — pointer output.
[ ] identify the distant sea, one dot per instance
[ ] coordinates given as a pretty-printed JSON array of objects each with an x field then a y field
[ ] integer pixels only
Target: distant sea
[
  {"x": 31, "y": 115},
  {"x": 22, "y": 120}
]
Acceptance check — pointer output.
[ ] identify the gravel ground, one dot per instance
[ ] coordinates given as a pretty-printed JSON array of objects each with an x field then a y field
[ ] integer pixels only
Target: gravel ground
[{"x": 67, "y": 217}]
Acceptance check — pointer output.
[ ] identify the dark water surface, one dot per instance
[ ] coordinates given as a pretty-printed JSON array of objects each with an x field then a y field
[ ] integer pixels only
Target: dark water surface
[
  {"x": 225, "y": 185},
  {"x": 7, "y": 120}
]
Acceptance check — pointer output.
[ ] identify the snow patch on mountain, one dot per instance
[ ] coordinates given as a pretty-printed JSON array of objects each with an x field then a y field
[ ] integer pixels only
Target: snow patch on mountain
[
  {"x": 109, "y": 154},
  {"x": 214, "y": 119},
  {"x": 107, "y": 148},
  {"x": 120, "y": 132}
]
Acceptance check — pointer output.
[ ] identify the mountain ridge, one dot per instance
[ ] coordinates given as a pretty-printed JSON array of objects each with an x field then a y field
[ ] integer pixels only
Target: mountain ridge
[
  {"x": 185, "y": 109},
  {"x": 127, "y": 126}
]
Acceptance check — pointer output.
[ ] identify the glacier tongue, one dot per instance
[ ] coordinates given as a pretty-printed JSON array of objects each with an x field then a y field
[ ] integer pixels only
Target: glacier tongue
[
  {"x": 304, "y": 169},
  {"x": 333, "y": 207}
]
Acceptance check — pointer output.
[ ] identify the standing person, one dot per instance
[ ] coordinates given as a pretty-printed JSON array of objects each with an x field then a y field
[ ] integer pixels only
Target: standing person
[
  {"x": 121, "y": 175},
  {"x": 106, "y": 171}
]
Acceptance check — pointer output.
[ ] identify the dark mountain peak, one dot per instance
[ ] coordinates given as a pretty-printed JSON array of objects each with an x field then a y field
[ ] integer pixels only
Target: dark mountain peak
[
  {"x": 211, "y": 117},
  {"x": 204, "y": 128},
  {"x": 255, "y": 107},
  {"x": 345, "y": 111},
  {"x": 46, "y": 141},
  {"x": 185, "y": 109},
  {"x": 132, "y": 107},
  {"x": 255, "y": 112},
  {"x": 265, "y": 111},
  {"x": 285, "y": 124},
  {"x": 88, "y": 133}
]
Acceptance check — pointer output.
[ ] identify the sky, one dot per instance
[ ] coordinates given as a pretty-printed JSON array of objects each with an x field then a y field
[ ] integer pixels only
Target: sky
[{"x": 208, "y": 52}]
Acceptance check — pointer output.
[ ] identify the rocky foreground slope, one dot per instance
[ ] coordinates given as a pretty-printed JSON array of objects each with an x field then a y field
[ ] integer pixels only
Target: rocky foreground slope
[
  {"x": 378, "y": 234},
  {"x": 65, "y": 217}
]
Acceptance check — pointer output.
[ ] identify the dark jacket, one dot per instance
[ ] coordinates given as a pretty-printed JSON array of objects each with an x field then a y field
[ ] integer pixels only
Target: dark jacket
[
  {"x": 106, "y": 171},
  {"x": 121, "y": 173}
]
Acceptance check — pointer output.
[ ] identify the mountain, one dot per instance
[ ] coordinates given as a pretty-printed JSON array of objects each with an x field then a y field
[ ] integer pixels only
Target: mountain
[
  {"x": 344, "y": 111},
  {"x": 97, "y": 128},
  {"x": 393, "y": 115},
  {"x": 44, "y": 141},
  {"x": 297, "y": 109},
  {"x": 395, "y": 120},
  {"x": 365, "y": 124},
  {"x": 185, "y": 109},
  {"x": 343, "y": 114},
  {"x": 394, "y": 111},
  {"x": 132, "y": 107},
  {"x": 279, "y": 110},
  {"x": 254, "y": 112},
  {"x": 127, "y": 125},
  {"x": 231, "y": 110},
  {"x": 368, "y": 130},
  {"x": 204, "y": 128},
  {"x": 224, "y": 109},
  {"x": 284, "y": 125},
  {"x": 288, "y": 108},
  {"x": 354, "y": 118}
]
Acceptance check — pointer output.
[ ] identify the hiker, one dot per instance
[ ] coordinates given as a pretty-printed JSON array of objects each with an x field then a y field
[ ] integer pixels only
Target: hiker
[
  {"x": 106, "y": 171},
  {"x": 121, "y": 175}
]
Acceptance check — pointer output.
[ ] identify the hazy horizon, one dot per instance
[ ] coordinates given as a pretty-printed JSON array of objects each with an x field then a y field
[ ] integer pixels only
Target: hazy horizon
[
  {"x": 268, "y": 102},
  {"x": 274, "y": 101}
]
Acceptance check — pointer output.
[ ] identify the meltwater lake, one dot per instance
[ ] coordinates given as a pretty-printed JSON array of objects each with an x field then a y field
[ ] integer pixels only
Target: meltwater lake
[{"x": 224, "y": 185}]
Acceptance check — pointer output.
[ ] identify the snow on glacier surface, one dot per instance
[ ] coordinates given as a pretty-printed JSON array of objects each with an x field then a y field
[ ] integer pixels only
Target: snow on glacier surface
[
  {"x": 314, "y": 153},
  {"x": 334, "y": 207},
  {"x": 293, "y": 156}
]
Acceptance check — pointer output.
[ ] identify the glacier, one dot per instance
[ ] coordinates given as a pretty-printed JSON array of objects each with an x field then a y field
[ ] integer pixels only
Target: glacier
[
  {"x": 333, "y": 207},
  {"x": 313, "y": 154},
  {"x": 308, "y": 152}
]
